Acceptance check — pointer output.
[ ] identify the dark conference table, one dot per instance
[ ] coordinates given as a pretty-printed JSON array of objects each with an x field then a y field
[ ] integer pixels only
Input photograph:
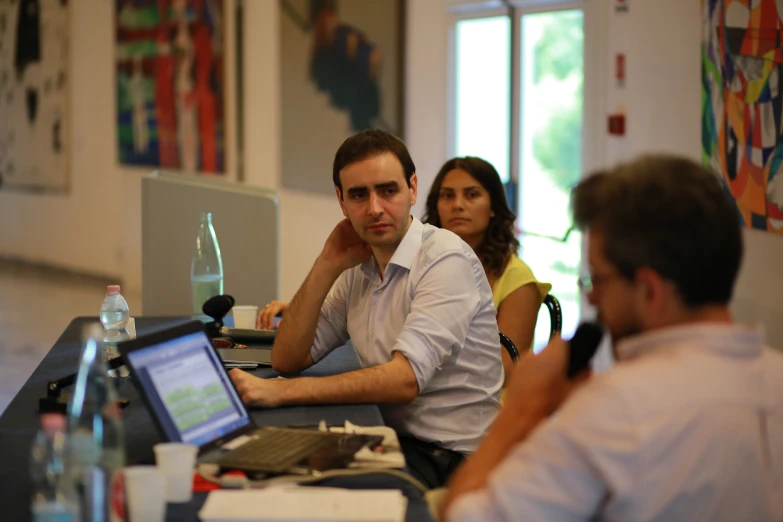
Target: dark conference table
[{"x": 19, "y": 423}]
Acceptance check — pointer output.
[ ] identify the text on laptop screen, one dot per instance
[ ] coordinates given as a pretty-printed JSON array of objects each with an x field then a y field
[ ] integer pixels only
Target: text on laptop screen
[{"x": 188, "y": 389}]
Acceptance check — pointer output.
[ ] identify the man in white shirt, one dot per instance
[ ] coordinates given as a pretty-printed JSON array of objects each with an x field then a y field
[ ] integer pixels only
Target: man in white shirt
[
  {"x": 414, "y": 301},
  {"x": 688, "y": 425}
]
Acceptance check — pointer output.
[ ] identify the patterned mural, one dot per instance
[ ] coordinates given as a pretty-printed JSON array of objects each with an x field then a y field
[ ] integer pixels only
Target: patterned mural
[{"x": 742, "y": 109}]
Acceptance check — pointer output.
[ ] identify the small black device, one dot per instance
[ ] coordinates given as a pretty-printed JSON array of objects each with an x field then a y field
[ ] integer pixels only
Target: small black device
[
  {"x": 582, "y": 347},
  {"x": 56, "y": 399},
  {"x": 234, "y": 356},
  {"x": 246, "y": 335}
]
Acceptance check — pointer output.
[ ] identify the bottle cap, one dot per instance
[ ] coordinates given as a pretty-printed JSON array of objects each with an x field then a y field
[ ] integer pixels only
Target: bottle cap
[
  {"x": 51, "y": 423},
  {"x": 112, "y": 289}
]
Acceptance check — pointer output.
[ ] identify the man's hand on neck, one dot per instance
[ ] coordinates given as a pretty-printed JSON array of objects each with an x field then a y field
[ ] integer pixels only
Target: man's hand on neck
[{"x": 343, "y": 249}]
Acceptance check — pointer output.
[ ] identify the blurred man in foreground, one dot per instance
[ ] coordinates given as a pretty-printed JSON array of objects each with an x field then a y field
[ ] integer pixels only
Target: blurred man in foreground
[{"x": 689, "y": 424}]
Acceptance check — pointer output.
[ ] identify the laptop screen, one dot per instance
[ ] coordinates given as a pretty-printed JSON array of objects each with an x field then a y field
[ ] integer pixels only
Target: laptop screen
[{"x": 188, "y": 389}]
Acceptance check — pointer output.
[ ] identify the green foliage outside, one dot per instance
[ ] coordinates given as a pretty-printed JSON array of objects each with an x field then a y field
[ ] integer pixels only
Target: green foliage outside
[{"x": 558, "y": 55}]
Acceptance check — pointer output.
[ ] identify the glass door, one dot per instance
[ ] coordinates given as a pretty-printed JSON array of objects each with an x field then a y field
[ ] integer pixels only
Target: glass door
[{"x": 549, "y": 162}]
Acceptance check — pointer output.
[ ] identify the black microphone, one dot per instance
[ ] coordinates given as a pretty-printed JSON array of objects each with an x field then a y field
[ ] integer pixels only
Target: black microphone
[
  {"x": 582, "y": 347},
  {"x": 216, "y": 307}
]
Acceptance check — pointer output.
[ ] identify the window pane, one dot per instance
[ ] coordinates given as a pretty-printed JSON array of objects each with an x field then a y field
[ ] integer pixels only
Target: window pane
[
  {"x": 483, "y": 79},
  {"x": 551, "y": 152}
]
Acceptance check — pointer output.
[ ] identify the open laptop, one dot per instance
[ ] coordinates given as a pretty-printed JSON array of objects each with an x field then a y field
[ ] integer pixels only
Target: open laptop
[{"x": 191, "y": 399}]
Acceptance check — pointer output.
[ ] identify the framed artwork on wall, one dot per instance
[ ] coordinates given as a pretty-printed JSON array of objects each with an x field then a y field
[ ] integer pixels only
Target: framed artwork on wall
[
  {"x": 173, "y": 79},
  {"x": 742, "y": 116},
  {"x": 341, "y": 71},
  {"x": 34, "y": 95}
]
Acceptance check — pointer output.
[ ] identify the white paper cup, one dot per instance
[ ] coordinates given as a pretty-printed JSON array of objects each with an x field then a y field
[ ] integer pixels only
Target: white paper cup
[
  {"x": 144, "y": 493},
  {"x": 245, "y": 316},
  {"x": 176, "y": 461},
  {"x": 130, "y": 326}
]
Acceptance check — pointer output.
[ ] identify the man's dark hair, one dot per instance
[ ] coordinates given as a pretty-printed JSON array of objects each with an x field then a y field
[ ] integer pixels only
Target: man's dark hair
[
  {"x": 670, "y": 214},
  {"x": 367, "y": 144},
  {"x": 499, "y": 241}
]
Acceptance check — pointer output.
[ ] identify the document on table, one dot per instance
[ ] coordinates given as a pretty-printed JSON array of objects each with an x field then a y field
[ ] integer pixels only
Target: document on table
[{"x": 304, "y": 504}]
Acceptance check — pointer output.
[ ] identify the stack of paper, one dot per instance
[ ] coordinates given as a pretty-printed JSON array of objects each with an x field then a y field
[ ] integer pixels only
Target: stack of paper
[{"x": 304, "y": 504}]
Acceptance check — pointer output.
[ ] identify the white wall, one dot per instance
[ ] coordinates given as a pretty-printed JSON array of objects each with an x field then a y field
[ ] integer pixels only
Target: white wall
[
  {"x": 661, "y": 96},
  {"x": 426, "y": 87}
]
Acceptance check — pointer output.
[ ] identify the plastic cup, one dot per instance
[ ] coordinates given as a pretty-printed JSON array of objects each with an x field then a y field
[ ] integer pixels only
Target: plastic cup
[
  {"x": 130, "y": 326},
  {"x": 176, "y": 460},
  {"x": 245, "y": 317},
  {"x": 144, "y": 493}
]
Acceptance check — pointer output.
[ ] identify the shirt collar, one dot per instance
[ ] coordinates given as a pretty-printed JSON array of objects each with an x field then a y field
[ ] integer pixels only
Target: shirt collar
[
  {"x": 734, "y": 340},
  {"x": 404, "y": 254},
  {"x": 409, "y": 246}
]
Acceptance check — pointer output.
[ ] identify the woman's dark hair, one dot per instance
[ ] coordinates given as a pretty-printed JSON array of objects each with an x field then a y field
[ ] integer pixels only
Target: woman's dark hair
[
  {"x": 670, "y": 214},
  {"x": 499, "y": 240}
]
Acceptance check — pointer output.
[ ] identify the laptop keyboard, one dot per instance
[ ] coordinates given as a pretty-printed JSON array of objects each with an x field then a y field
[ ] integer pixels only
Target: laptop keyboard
[{"x": 277, "y": 449}]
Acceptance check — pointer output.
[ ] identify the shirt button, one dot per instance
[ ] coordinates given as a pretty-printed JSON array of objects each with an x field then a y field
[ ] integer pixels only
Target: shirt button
[{"x": 372, "y": 332}]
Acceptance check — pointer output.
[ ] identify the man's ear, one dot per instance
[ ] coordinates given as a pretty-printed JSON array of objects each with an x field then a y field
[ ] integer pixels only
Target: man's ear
[
  {"x": 652, "y": 288},
  {"x": 414, "y": 183},
  {"x": 339, "y": 194}
]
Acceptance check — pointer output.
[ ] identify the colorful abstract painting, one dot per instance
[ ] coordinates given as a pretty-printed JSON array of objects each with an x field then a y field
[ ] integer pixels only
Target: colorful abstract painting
[
  {"x": 171, "y": 84},
  {"x": 742, "y": 105}
]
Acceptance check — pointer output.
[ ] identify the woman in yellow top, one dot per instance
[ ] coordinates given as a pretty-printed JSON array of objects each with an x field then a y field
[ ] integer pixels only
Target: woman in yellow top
[{"x": 467, "y": 197}]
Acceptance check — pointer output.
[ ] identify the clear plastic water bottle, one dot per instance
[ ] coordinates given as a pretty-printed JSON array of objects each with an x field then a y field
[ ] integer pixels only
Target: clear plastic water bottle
[
  {"x": 54, "y": 498},
  {"x": 114, "y": 317},
  {"x": 206, "y": 269},
  {"x": 114, "y": 310},
  {"x": 96, "y": 436}
]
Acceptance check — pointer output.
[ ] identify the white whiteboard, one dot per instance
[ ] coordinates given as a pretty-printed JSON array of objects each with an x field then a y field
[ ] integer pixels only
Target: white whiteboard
[{"x": 246, "y": 224}]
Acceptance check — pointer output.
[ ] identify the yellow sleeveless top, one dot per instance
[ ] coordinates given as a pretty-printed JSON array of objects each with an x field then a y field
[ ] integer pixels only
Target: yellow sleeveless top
[{"x": 516, "y": 275}]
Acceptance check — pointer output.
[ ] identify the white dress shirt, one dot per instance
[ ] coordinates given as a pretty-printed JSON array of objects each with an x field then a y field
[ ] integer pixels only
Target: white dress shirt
[
  {"x": 688, "y": 426},
  {"x": 434, "y": 305}
]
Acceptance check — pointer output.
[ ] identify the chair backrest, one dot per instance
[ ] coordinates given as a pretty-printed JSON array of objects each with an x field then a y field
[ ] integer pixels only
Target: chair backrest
[
  {"x": 555, "y": 322},
  {"x": 509, "y": 345},
  {"x": 555, "y": 314}
]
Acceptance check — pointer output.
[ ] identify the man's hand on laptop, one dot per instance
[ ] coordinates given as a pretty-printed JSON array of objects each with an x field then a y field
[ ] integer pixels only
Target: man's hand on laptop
[
  {"x": 257, "y": 392},
  {"x": 344, "y": 248}
]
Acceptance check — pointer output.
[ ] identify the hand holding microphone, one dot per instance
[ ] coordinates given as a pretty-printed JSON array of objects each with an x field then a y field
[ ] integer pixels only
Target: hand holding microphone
[{"x": 542, "y": 382}]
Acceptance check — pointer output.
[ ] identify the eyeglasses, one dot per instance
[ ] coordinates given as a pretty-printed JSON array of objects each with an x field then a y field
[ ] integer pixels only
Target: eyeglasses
[{"x": 588, "y": 282}]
